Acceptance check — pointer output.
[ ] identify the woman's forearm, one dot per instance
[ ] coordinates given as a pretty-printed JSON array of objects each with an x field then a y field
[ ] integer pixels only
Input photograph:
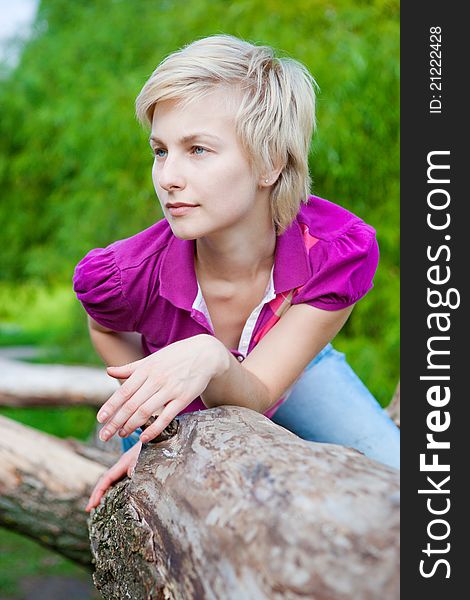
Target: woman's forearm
[
  {"x": 167, "y": 381},
  {"x": 116, "y": 348},
  {"x": 237, "y": 386}
]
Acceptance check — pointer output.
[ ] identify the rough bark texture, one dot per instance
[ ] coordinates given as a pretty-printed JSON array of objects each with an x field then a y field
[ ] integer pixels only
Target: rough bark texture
[
  {"x": 25, "y": 384},
  {"x": 44, "y": 486},
  {"x": 236, "y": 507}
]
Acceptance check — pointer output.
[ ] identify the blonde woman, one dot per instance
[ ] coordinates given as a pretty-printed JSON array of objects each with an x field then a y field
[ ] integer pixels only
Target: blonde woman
[{"x": 234, "y": 297}]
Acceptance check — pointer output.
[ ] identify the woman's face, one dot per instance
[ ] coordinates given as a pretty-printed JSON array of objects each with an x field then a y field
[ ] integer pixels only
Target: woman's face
[{"x": 200, "y": 162}]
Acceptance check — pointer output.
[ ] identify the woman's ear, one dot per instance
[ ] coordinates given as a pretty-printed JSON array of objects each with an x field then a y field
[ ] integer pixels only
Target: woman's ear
[{"x": 269, "y": 178}]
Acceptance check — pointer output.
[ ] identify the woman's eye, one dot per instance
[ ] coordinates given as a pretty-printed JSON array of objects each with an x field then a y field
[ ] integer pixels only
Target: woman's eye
[
  {"x": 159, "y": 152},
  {"x": 162, "y": 153}
]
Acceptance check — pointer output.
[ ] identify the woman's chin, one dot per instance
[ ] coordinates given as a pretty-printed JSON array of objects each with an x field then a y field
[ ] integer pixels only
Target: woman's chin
[
  {"x": 185, "y": 229},
  {"x": 183, "y": 232}
]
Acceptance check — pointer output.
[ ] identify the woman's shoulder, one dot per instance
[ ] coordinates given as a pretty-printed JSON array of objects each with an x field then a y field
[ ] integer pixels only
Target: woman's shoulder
[
  {"x": 328, "y": 221},
  {"x": 133, "y": 251},
  {"x": 113, "y": 283},
  {"x": 342, "y": 255}
]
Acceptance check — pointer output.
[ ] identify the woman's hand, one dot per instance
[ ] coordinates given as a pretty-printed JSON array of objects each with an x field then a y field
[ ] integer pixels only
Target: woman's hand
[
  {"x": 124, "y": 466},
  {"x": 163, "y": 383}
]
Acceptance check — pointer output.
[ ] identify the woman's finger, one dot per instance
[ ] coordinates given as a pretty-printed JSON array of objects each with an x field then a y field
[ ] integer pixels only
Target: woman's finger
[
  {"x": 126, "y": 391},
  {"x": 126, "y": 461},
  {"x": 97, "y": 493},
  {"x": 164, "y": 419},
  {"x": 124, "y": 371},
  {"x": 96, "y": 496},
  {"x": 115, "y": 473},
  {"x": 101, "y": 487},
  {"x": 137, "y": 409},
  {"x": 152, "y": 406}
]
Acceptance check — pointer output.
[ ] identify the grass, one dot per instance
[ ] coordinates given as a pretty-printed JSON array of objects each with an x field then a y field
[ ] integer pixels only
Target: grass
[
  {"x": 21, "y": 557},
  {"x": 48, "y": 318}
]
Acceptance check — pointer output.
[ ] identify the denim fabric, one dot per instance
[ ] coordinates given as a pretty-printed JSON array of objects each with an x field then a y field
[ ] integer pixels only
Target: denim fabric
[
  {"x": 130, "y": 440},
  {"x": 329, "y": 403}
]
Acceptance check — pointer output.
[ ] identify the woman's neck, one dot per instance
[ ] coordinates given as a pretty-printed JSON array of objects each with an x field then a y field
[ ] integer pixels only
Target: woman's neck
[{"x": 235, "y": 255}]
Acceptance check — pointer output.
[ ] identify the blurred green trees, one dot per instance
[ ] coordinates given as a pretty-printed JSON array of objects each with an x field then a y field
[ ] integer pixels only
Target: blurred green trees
[{"x": 75, "y": 165}]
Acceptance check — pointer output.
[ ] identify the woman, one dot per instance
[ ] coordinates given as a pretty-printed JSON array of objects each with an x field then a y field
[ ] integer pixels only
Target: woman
[{"x": 234, "y": 296}]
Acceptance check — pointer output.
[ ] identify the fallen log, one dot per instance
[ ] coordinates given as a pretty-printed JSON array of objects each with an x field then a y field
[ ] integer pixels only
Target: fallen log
[
  {"x": 234, "y": 506},
  {"x": 45, "y": 483},
  {"x": 393, "y": 409},
  {"x": 26, "y": 384}
]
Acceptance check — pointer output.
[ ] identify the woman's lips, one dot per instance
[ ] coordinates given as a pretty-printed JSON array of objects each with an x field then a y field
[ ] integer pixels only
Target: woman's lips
[{"x": 179, "y": 211}]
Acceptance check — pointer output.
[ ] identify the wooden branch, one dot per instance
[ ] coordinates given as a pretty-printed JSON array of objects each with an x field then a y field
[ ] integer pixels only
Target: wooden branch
[
  {"x": 44, "y": 486},
  {"x": 104, "y": 453},
  {"x": 25, "y": 384},
  {"x": 393, "y": 409},
  {"x": 234, "y": 506}
]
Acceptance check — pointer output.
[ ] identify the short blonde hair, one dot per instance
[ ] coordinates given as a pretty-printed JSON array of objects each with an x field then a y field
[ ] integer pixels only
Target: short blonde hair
[{"x": 275, "y": 120}]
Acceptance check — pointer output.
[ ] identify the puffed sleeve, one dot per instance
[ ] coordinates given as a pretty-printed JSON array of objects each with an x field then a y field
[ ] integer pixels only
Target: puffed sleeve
[
  {"x": 98, "y": 285},
  {"x": 342, "y": 269}
]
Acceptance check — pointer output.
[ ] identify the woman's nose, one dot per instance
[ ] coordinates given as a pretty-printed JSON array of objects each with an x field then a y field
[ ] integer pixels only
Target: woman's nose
[{"x": 169, "y": 175}]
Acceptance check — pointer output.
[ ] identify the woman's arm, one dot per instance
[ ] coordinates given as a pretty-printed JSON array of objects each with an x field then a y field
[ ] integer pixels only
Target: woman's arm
[
  {"x": 278, "y": 360},
  {"x": 115, "y": 348},
  {"x": 170, "y": 379}
]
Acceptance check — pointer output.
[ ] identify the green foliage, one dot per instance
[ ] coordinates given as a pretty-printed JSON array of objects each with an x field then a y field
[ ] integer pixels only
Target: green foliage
[{"x": 75, "y": 165}]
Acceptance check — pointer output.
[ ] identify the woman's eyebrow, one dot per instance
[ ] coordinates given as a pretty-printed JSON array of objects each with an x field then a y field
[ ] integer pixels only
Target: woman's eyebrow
[{"x": 187, "y": 138}]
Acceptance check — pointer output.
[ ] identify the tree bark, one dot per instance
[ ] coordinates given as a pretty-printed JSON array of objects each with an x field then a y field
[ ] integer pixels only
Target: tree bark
[
  {"x": 25, "y": 384},
  {"x": 234, "y": 506},
  {"x": 393, "y": 408},
  {"x": 44, "y": 486}
]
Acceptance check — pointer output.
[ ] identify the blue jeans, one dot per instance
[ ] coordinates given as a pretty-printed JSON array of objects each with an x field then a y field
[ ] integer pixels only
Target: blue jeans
[{"x": 329, "y": 403}]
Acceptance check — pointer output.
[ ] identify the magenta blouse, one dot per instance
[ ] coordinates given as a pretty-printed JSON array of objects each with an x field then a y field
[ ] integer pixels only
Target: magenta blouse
[{"x": 147, "y": 283}]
